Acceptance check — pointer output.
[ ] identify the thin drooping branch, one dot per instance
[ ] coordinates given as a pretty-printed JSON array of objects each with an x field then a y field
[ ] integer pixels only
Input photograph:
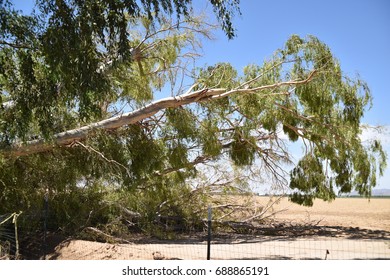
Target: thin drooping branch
[
  {"x": 14, "y": 45},
  {"x": 90, "y": 149},
  {"x": 66, "y": 138}
]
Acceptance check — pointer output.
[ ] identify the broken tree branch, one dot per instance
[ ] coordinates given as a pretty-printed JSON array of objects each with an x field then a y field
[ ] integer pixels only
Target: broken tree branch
[{"x": 66, "y": 138}]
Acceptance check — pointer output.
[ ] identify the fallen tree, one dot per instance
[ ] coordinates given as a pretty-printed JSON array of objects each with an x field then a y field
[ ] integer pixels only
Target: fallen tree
[{"x": 82, "y": 120}]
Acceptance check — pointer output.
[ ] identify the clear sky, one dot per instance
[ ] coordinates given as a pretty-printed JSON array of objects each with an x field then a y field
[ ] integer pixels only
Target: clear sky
[{"x": 357, "y": 31}]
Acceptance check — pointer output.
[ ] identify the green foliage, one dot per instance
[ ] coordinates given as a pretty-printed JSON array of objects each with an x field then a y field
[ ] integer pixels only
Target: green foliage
[
  {"x": 225, "y": 10},
  {"x": 167, "y": 198},
  {"x": 209, "y": 137},
  {"x": 78, "y": 55},
  {"x": 222, "y": 75},
  {"x": 309, "y": 178},
  {"x": 182, "y": 122},
  {"x": 243, "y": 148},
  {"x": 88, "y": 60}
]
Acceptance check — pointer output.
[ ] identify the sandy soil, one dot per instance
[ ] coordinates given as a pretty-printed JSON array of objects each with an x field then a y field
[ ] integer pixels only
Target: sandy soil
[{"x": 347, "y": 228}]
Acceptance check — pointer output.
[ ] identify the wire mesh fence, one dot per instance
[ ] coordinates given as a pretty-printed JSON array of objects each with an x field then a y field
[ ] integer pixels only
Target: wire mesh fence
[
  {"x": 280, "y": 241},
  {"x": 323, "y": 248}
]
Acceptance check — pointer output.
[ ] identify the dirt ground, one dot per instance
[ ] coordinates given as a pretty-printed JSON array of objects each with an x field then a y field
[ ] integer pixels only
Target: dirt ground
[{"x": 347, "y": 228}]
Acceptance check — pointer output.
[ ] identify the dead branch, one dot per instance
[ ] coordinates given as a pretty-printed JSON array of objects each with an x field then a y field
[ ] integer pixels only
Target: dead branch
[
  {"x": 106, "y": 236},
  {"x": 265, "y": 210}
]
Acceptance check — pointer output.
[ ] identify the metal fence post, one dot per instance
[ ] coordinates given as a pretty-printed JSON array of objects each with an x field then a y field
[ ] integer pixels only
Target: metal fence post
[
  {"x": 45, "y": 213},
  {"x": 209, "y": 233}
]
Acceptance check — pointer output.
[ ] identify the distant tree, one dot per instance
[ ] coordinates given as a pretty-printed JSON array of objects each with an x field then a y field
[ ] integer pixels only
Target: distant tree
[{"x": 79, "y": 81}]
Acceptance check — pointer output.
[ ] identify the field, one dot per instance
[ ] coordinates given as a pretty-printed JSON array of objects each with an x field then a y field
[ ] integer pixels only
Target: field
[
  {"x": 347, "y": 228},
  {"x": 345, "y": 212}
]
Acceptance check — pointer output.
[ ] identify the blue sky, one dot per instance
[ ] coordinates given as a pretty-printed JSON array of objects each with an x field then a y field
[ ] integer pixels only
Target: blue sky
[{"x": 358, "y": 33}]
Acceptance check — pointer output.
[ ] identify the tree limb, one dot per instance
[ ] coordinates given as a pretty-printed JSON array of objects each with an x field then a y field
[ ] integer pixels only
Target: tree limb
[
  {"x": 67, "y": 138},
  {"x": 15, "y": 45}
]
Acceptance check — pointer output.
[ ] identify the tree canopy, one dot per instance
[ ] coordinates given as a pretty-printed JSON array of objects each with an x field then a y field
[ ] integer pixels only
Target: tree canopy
[{"x": 80, "y": 82}]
